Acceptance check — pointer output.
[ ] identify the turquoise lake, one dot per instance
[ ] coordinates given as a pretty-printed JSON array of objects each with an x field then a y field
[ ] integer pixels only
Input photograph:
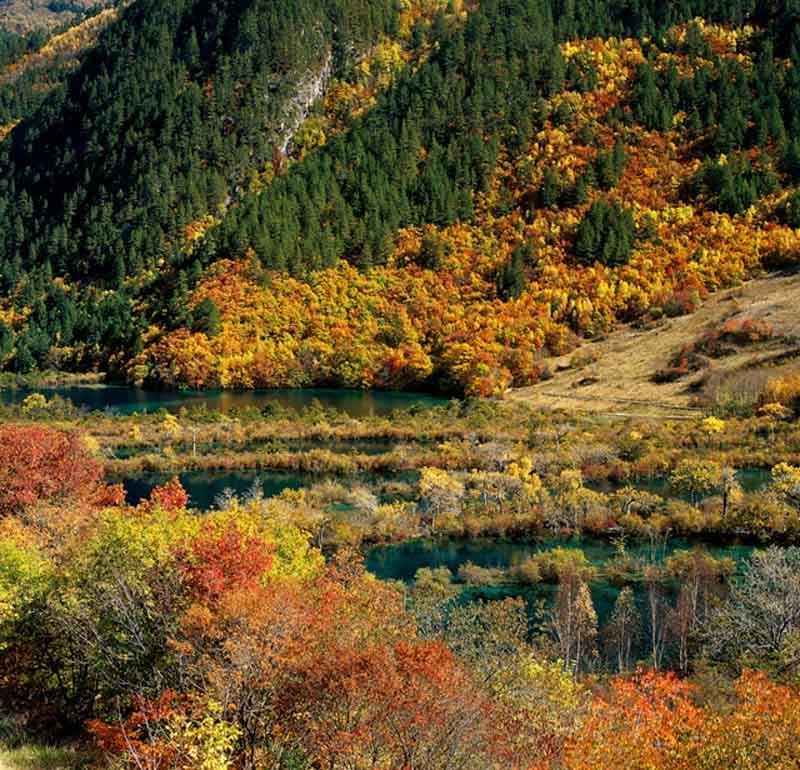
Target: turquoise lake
[
  {"x": 400, "y": 562},
  {"x": 127, "y": 400},
  {"x": 204, "y": 487}
]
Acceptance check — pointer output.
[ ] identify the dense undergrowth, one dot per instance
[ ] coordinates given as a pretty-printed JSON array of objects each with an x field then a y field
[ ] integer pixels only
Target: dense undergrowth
[{"x": 157, "y": 637}]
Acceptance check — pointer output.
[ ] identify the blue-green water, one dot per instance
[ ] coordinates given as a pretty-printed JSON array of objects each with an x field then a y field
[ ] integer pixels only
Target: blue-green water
[
  {"x": 750, "y": 479},
  {"x": 401, "y": 562},
  {"x": 126, "y": 400},
  {"x": 368, "y": 446},
  {"x": 204, "y": 487}
]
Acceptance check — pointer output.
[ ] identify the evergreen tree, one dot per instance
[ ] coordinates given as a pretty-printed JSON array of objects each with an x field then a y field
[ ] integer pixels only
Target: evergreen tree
[
  {"x": 551, "y": 189},
  {"x": 606, "y": 234},
  {"x": 511, "y": 279},
  {"x": 207, "y": 318}
]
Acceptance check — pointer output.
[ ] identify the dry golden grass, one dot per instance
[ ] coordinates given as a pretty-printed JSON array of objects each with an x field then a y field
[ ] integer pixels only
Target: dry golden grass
[
  {"x": 619, "y": 378},
  {"x": 40, "y": 758}
]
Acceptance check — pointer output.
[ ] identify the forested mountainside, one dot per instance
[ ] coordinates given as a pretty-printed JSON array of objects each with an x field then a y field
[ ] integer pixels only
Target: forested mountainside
[{"x": 363, "y": 193}]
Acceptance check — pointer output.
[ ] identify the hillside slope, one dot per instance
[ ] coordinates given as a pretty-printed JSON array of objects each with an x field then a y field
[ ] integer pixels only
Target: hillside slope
[
  {"x": 611, "y": 198},
  {"x": 618, "y": 373}
]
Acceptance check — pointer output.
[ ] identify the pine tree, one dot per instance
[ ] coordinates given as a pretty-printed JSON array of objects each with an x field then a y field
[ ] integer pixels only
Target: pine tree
[
  {"x": 606, "y": 234},
  {"x": 6, "y": 342},
  {"x": 207, "y": 318},
  {"x": 551, "y": 189},
  {"x": 511, "y": 279}
]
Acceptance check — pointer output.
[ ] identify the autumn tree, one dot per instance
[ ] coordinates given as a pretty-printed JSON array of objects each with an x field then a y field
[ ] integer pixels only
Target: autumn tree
[
  {"x": 759, "y": 730},
  {"x": 573, "y": 622},
  {"x": 572, "y": 504},
  {"x": 42, "y": 465},
  {"x": 539, "y": 706},
  {"x": 650, "y": 721},
  {"x": 235, "y": 652},
  {"x": 488, "y": 636},
  {"x": 759, "y": 622},
  {"x": 215, "y": 563},
  {"x": 255, "y": 645},
  {"x": 701, "y": 579},
  {"x": 658, "y": 614},
  {"x": 169, "y": 732},
  {"x": 639, "y": 723},
  {"x": 406, "y": 705},
  {"x": 169, "y": 497},
  {"x": 430, "y": 599},
  {"x": 696, "y": 478},
  {"x": 442, "y": 493},
  {"x": 99, "y": 630},
  {"x": 786, "y": 484},
  {"x": 623, "y": 630},
  {"x": 730, "y": 489}
]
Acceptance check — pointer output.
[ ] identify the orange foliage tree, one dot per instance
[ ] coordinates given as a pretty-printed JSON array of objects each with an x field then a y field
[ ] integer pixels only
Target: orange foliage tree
[
  {"x": 42, "y": 465},
  {"x": 410, "y": 704},
  {"x": 214, "y": 563},
  {"x": 169, "y": 497},
  {"x": 760, "y": 731},
  {"x": 642, "y": 723},
  {"x": 649, "y": 722}
]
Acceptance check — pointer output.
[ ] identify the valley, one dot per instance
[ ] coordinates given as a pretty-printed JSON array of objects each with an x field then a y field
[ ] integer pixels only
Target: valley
[{"x": 400, "y": 385}]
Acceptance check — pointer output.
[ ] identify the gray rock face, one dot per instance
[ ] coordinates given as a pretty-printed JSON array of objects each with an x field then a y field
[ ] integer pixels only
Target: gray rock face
[{"x": 309, "y": 88}]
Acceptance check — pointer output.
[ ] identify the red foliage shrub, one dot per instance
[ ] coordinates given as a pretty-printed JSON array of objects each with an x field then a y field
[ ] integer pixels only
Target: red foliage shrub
[
  {"x": 410, "y": 703},
  {"x": 215, "y": 563},
  {"x": 595, "y": 471},
  {"x": 714, "y": 343},
  {"x": 682, "y": 302},
  {"x": 42, "y": 465},
  {"x": 170, "y": 497},
  {"x": 141, "y": 736},
  {"x": 110, "y": 496},
  {"x": 747, "y": 331}
]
